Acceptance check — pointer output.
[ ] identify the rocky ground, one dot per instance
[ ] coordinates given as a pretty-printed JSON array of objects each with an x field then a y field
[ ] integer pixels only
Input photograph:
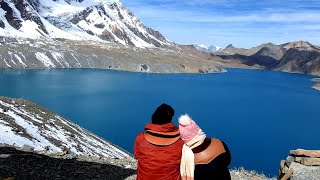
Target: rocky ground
[
  {"x": 23, "y": 163},
  {"x": 242, "y": 174},
  {"x": 18, "y": 164}
]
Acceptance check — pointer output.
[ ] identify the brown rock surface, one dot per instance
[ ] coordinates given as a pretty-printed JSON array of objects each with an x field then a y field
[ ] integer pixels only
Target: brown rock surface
[{"x": 309, "y": 153}]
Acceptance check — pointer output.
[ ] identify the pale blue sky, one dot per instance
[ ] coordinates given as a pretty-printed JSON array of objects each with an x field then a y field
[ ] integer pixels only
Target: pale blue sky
[{"x": 243, "y": 23}]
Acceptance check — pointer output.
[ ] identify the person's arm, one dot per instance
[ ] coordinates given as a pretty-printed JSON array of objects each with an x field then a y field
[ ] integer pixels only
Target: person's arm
[
  {"x": 136, "y": 147},
  {"x": 228, "y": 154}
]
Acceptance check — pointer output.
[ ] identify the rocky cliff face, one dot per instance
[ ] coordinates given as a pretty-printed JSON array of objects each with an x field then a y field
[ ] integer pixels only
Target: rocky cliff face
[
  {"x": 300, "y": 60},
  {"x": 40, "y": 54}
]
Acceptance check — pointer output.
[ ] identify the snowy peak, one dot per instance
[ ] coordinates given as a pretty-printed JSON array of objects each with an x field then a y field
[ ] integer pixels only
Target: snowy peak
[
  {"x": 112, "y": 22},
  {"x": 204, "y": 48},
  {"x": 25, "y": 124},
  {"x": 214, "y": 48},
  {"x": 20, "y": 19},
  {"x": 200, "y": 47},
  {"x": 100, "y": 20}
]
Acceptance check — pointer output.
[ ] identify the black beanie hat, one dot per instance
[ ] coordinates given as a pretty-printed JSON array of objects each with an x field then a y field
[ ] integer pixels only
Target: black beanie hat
[{"x": 163, "y": 114}]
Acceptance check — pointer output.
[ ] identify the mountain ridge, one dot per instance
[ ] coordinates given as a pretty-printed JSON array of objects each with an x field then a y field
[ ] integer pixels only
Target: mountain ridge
[
  {"x": 297, "y": 57},
  {"x": 77, "y": 20}
]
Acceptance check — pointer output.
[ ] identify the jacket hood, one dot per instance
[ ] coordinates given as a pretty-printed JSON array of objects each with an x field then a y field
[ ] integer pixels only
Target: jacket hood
[{"x": 169, "y": 127}]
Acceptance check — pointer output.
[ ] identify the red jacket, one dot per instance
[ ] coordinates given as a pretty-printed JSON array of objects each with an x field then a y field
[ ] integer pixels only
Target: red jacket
[{"x": 158, "y": 151}]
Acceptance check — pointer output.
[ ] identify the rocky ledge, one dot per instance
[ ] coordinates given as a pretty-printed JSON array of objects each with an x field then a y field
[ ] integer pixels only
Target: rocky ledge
[
  {"x": 316, "y": 86},
  {"x": 301, "y": 165}
]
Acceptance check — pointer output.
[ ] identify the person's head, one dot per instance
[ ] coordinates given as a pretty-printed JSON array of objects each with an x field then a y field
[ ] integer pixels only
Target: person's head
[
  {"x": 188, "y": 128},
  {"x": 163, "y": 114}
]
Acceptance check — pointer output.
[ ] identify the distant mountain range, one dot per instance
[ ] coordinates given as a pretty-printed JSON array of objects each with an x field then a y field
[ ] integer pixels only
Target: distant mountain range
[
  {"x": 204, "y": 48},
  {"x": 100, "y": 34},
  {"x": 298, "y": 57}
]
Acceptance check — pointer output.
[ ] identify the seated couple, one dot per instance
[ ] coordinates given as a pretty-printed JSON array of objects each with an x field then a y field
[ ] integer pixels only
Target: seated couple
[{"x": 167, "y": 152}]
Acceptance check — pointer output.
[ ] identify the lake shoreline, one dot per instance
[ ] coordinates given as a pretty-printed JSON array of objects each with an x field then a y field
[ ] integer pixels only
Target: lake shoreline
[{"x": 316, "y": 86}]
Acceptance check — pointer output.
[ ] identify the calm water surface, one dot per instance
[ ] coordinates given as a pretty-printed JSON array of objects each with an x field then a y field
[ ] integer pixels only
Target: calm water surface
[{"x": 261, "y": 115}]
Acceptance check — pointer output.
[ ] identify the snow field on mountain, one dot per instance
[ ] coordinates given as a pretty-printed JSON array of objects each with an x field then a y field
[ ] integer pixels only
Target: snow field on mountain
[{"x": 20, "y": 127}]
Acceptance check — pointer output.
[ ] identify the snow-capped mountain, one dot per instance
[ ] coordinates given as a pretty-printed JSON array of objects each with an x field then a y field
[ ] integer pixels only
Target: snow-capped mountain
[
  {"x": 25, "y": 124},
  {"x": 204, "y": 48},
  {"x": 100, "y": 20},
  {"x": 200, "y": 47},
  {"x": 214, "y": 48}
]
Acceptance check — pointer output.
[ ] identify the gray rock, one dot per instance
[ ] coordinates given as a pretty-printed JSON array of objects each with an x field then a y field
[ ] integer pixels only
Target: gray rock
[
  {"x": 303, "y": 172},
  {"x": 27, "y": 148}
]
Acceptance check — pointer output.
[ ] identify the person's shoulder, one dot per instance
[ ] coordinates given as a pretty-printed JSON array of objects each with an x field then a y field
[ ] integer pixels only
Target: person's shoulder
[
  {"x": 140, "y": 136},
  {"x": 220, "y": 143},
  {"x": 216, "y": 140}
]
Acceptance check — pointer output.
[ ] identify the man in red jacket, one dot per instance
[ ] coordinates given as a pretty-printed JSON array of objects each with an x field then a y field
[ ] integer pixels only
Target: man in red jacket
[{"x": 159, "y": 148}]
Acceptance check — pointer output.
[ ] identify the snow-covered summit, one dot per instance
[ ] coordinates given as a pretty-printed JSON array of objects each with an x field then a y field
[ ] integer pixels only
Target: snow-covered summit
[
  {"x": 204, "y": 48},
  {"x": 200, "y": 47},
  {"x": 24, "y": 123},
  {"x": 100, "y": 20},
  {"x": 214, "y": 48}
]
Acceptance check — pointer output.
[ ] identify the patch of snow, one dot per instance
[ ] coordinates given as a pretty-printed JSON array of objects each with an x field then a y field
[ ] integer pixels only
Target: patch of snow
[
  {"x": 2, "y": 12},
  {"x": 31, "y": 28},
  {"x": 20, "y": 61},
  {"x": 214, "y": 48},
  {"x": 55, "y": 32},
  {"x": 201, "y": 46},
  {"x": 10, "y": 138},
  {"x": 33, "y": 131},
  {"x": 77, "y": 138},
  {"x": 56, "y": 8},
  {"x": 8, "y": 65},
  {"x": 78, "y": 63},
  {"x": 44, "y": 59},
  {"x": 58, "y": 57}
]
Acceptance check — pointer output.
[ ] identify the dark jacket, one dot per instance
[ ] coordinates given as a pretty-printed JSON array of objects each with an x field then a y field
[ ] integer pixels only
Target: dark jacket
[
  {"x": 158, "y": 151},
  {"x": 212, "y": 158}
]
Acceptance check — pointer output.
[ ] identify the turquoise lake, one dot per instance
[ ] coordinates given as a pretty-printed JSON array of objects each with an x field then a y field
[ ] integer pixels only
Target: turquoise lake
[{"x": 261, "y": 115}]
